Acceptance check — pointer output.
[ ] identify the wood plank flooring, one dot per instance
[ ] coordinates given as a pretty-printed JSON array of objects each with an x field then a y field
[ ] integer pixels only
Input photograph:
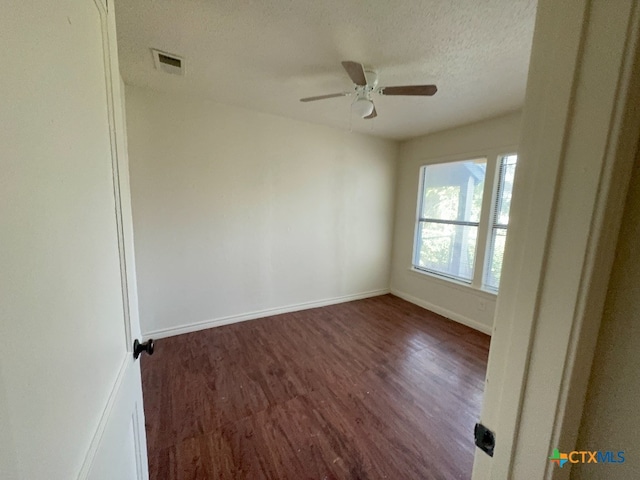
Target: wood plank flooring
[{"x": 372, "y": 389}]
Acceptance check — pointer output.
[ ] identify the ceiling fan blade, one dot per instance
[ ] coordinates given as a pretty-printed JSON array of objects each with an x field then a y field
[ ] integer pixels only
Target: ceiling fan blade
[
  {"x": 373, "y": 114},
  {"x": 356, "y": 72},
  {"x": 322, "y": 97},
  {"x": 427, "y": 90}
]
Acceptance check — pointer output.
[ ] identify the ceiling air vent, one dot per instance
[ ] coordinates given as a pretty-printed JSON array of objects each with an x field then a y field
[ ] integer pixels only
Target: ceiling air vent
[{"x": 168, "y": 62}]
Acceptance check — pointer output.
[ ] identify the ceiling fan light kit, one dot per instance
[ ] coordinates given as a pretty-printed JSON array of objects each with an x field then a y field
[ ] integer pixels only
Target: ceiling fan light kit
[
  {"x": 365, "y": 84},
  {"x": 363, "y": 107}
]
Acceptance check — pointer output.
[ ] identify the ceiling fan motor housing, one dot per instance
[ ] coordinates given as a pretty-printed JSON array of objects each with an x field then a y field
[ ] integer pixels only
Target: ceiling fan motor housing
[{"x": 372, "y": 80}]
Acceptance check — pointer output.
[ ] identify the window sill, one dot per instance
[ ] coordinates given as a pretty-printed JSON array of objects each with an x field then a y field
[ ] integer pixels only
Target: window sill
[{"x": 456, "y": 284}]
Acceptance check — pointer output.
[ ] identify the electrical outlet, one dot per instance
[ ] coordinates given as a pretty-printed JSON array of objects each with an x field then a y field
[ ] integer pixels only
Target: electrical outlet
[{"x": 482, "y": 305}]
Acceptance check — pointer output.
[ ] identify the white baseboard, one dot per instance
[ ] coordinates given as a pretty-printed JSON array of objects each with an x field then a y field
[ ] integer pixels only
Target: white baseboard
[
  {"x": 218, "y": 322},
  {"x": 456, "y": 317}
]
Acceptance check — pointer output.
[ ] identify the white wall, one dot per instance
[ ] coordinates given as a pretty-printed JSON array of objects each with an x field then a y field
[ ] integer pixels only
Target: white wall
[
  {"x": 610, "y": 419},
  {"x": 459, "y": 302},
  {"x": 239, "y": 214}
]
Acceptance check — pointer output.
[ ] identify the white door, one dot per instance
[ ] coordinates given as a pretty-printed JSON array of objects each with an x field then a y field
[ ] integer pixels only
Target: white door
[{"x": 70, "y": 393}]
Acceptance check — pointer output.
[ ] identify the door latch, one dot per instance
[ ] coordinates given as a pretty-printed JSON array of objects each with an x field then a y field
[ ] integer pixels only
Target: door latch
[{"x": 485, "y": 439}]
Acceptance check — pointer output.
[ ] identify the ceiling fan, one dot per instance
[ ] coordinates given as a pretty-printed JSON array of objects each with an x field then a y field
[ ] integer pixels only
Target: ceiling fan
[{"x": 366, "y": 84}]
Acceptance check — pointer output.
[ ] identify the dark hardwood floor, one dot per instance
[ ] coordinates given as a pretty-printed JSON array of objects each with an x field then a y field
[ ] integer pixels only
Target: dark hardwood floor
[{"x": 372, "y": 389}]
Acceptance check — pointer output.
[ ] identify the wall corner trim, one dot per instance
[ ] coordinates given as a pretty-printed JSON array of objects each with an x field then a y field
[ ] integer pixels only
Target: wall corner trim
[
  {"x": 456, "y": 317},
  {"x": 242, "y": 317}
]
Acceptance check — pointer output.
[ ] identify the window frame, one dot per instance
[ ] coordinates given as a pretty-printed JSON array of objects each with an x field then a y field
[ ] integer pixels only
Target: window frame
[
  {"x": 485, "y": 225},
  {"x": 496, "y": 203},
  {"x": 420, "y": 219}
]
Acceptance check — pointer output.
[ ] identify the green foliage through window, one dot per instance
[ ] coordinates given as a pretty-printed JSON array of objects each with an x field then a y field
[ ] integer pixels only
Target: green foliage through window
[{"x": 451, "y": 204}]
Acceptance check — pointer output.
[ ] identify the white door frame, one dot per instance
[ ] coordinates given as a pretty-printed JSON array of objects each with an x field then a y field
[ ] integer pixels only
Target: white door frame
[
  {"x": 579, "y": 137},
  {"x": 120, "y": 165}
]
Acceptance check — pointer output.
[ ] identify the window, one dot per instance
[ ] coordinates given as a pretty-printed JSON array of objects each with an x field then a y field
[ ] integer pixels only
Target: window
[
  {"x": 448, "y": 218},
  {"x": 500, "y": 221},
  {"x": 451, "y": 221}
]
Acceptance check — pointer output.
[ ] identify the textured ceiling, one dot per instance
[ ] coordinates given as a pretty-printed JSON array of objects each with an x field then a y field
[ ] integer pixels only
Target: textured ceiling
[{"x": 266, "y": 55}]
